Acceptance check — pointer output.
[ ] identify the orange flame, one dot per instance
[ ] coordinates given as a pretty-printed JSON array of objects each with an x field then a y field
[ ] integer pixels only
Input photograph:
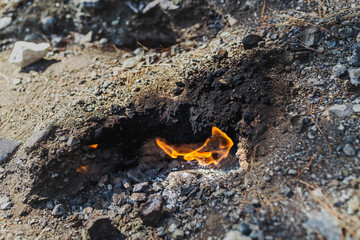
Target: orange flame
[
  {"x": 215, "y": 148},
  {"x": 93, "y": 146},
  {"x": 83, "y": 169}
]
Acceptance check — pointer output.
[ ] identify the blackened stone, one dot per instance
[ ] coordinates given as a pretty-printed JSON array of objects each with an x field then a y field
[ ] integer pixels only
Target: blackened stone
[
  {"x": 251, "y": 41},
  {"x": 72, "y": 141},
  {"x": 245, "y": 229},
  {"x": 177, "y": 91},
  {"x": 346, "y": 32},
  {"x": 248, "y": 117},
  {"x": 99, "y": 227},
  {"x": 266, "y": 100},
  {"x": 180, "y": 84},
  {"x": 239, "y": 78},
  {"x": 218, "y": 73},
  {"x": 151, "y": 211},
  {"x": 286, "y": 191},
  {"x": 136, "y": 176}
]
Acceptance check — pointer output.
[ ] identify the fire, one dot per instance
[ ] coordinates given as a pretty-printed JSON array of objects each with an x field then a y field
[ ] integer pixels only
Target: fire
[
  {"x": 83, "y": 169},
  {"x": 93, "y": 146},
  {"x": 215, "y": 148}
]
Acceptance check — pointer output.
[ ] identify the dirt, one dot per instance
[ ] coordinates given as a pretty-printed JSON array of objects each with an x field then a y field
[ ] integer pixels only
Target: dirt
[{"x": 258, "y": 97}]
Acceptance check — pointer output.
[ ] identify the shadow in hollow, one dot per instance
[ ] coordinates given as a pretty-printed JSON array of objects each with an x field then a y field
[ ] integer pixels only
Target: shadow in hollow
[{"x": 39, "y": 66}]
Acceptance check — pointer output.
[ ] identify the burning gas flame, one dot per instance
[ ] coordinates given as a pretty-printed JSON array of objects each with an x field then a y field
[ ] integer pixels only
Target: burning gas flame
[
  {"x": 83, "y": 169},
  {"x": 215, "y": 148},
  {"x": 93, "y": 146}
]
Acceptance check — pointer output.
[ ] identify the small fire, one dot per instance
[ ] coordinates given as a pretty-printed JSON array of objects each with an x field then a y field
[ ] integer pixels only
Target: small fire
[
  {"x": 215, "y": 148},
  {"x": 83, "y": 169},
  {"x": 93, "y": 146}
]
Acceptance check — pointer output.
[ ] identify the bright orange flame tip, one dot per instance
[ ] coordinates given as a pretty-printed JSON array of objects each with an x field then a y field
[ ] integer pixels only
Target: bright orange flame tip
[
  {"x": 94, "y": 146},
  {"x": 83, "y": 169},
  {"x": 215, "y": 148}
]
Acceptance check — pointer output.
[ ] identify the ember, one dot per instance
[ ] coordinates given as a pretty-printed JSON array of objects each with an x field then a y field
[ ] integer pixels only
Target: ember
[
  {"x": 83, "y": 169},
  {"x": 215, "y": 148},
  {"x": 93, "y": 146}
]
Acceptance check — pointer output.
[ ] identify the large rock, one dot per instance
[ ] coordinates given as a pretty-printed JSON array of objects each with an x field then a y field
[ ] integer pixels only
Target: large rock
[
  {"x": 7, "y": 147},
  {"x": 25, "y": 53}
]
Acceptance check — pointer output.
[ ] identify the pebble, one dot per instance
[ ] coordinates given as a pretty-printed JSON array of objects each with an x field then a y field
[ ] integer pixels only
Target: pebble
[
  {"x": 58, "y": 210},
  {"x": 292, "y": 172},
  {"x": 138, "y": 197},
  {"x": 286, "y": 191},
  {"x": 38, "y": 137},
  {"x": 356, "y": 108},
  {"x": 353, "y": 204},
  {"x": 354, "y": 74},
  {"x": 244, "y": 228},
  {"x": 251, "y": 41},
  {"x": 346, "y": 32},
  {"x": 349, "y": 149},
  {"x": 325, "y": 223},
  {"x": 235, "y": 235},
  {"x": 4, "y": 22},
  {"x": 140, "y": 187},
  {"x": 309, "y": 36},
  {"x": 338, "y": 70},
  {"x": 72, "y": 141},
  {"x": 178, "y": 234}
]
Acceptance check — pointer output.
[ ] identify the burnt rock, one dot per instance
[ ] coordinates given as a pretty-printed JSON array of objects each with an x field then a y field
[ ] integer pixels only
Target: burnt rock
[
  {"x": 177, "y": 91},
  {"x": 151, "y": 211},
  {"x": 251, "y": 41},
  {"x": 100, "y": 227},
  {"x": 244, "y": 228},
  {"x": 72, "y": 141},
  {"x": 248, "y": 117},
  {"x": 218, "y": 73},
  {"x": 136, "y": 176}
]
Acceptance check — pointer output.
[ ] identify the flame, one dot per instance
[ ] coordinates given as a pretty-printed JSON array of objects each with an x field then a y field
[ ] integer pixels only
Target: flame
[
  {"x": 215, "y": 148},
  {"x": 83, "y": 169},
  {"x": 93, "y": 146}
]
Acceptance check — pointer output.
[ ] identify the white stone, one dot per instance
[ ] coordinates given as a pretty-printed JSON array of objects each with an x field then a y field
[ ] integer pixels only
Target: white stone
[
  {"x": 354, "y": 74},
  {"x": 25, "y": 53},
  {"x": 4, "y": 22},
  {"x": 356, "y": 108}
]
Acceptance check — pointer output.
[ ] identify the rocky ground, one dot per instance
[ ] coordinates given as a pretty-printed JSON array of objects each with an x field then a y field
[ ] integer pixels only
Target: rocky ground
[{"x": 281, "y": 78}]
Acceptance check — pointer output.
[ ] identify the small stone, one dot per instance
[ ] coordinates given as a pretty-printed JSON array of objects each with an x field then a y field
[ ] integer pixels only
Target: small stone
[
  {"x": 356, "y": 108},
  {"x": 58, "y": 210},
  {"x": 231, "y": 20},
  {"x": 349, "y": 149},
  {"x": 136, "y": 176},
  {"x": 140, "y": 187},
  {"x": 286, "y": 191},
  {"x": 346, "y": 32},
  {"x": 16, "y": 81},
  {"x": 151, "y": 211},
  {"x": 100, "y": 227},
  {"x": 178, "y": 234},
  {"x": 178, "y": 91},
  {"x": 235, "y": 235},
  {"x": 103, "y": 41},
  {"x": 138, "y": 197},
  {"x": 354, "y": 74},
  {"x": 7, "y": 147},
  {"x": 72, "y": 141},
  {"x": 119, "y": 199},
  {"x": 257, "y": 234},
  {"x": 340, "y": 110},
  {"x": 292, "y": 172},
  {"x": 132, "y": 62},
  {"x": 48, "y": 24},
  {"x": 38, "y": 137},
  {"x": 251, "y": 41},
  {"x": 4, "y": 22},
  {"x": 325, "y": 223},
  {"x": 309, "y": 36},
  {"x": 338, "y": 70},
  {"x": 244, "y": 228},
  {"x": 124, "y": 209},
  {"x": 25, "y": 53},
  {"x": 267, "y": 178},
  {"x": 6, "y": 206},
  {"x": 353, "y": 204}
]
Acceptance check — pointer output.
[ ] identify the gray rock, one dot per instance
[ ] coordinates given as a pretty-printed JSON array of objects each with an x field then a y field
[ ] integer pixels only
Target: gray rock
[
  {"x": 235, "y": 235},
  {"x": 309, "y": 36},
  {"x": 7, "y": 147},
  {"x": 354, "y": 74},
  {"x": 151, "y": 211},
  {"x": 257, "y": 234},
  {"x": 349, "y": 149},
  {"x": 340, "y": 110},
  {"x": 338, "y": 70},
  {"x": 58, "y": 210},
  {"x": 346, "y": 32},
  {"x": 140, "y": 187},
  {"x": 90, "y": 3},
  {"x": 6, "y": 206},
  {"x": 72, "y": 141},
  {"x": 4, "y": 22},
  {"x": 132, "y": 62},
  {"x": 292, "y": 172},
  {"x": 100, "y": 227},
  {"x": 136, "y": 176},
  {"x": 356, "y": 108},
  {"x": 16, "y": 81},
  {"x": 138, "y": 197},
  {"x": 325, "y": 223},
  {"x": 251, "y": 41},
  {"x": 25, "y": 53},
  {"x": 244, "y": 228},
  {"x": 178, "y": 234},
  {"x": 4, "y": 199},
  {"x": 38, "y": 137},
  {"x": 48, "y": 24},
  {"x": 354, "y": 59},
  {"x": 353, "y": 204},
  {"x": 286, "y": 191}
]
